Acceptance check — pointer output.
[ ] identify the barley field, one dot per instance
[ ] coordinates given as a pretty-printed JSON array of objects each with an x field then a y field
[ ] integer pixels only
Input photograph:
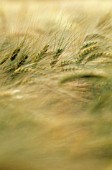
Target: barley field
[{"x": 55, "y": 85}]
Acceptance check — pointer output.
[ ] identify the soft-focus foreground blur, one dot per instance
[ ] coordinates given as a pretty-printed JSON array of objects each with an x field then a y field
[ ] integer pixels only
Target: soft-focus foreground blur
[{"x": 55, "y": 85}]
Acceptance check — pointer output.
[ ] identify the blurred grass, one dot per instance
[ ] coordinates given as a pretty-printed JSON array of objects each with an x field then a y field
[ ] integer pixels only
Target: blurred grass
[{"x": 56, "y": 86}]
